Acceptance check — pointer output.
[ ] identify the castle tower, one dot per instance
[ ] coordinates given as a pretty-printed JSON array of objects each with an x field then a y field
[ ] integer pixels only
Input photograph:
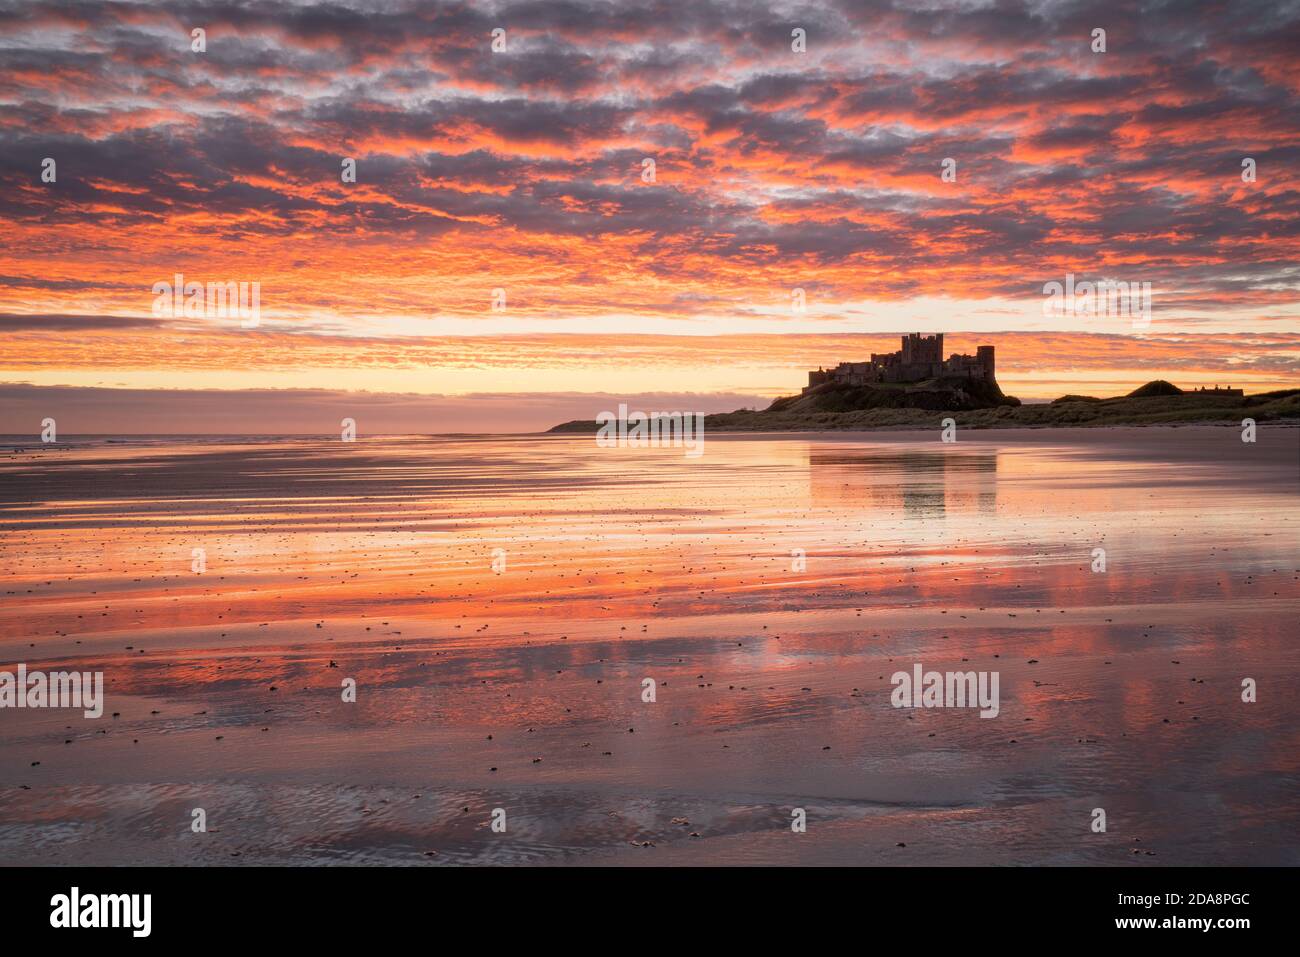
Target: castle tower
[
  {"x": 985, "y": 356},
  {"x": 918, "y": 348}
]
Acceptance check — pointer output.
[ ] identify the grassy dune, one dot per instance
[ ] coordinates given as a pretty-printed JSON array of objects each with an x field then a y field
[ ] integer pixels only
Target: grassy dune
[{"x": 1081, "y": 411}]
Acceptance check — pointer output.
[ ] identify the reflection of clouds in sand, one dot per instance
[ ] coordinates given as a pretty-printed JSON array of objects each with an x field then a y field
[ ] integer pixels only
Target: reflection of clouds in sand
[{"x": 520, "y": 689}]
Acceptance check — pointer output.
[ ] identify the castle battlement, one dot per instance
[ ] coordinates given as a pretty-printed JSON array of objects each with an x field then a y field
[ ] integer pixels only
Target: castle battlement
[{"x": 920, "y": 358}]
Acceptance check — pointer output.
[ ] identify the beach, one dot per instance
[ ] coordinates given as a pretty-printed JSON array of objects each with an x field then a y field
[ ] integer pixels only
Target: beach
[{"x": 500, "y": 602}]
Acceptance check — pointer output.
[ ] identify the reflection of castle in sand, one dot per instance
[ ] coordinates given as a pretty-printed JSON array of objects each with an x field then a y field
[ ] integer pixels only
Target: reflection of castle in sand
[
  {"x": 922, "y": 484},
  {"x": 920, "y": 358}
]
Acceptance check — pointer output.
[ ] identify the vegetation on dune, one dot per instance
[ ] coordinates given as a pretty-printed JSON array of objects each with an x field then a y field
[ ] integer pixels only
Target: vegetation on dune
[
  {"x": 1158, "y": 409},
  {"x": 1155, "y": 406},
  {"x": 1155, "y": 387}
]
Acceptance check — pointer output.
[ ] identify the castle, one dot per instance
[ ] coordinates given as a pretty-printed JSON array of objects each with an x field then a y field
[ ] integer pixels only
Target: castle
[{"x": 920, "y": 358}]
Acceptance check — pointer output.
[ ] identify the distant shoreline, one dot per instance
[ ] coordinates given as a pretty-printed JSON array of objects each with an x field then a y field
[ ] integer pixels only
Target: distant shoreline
[{"x": 1287, "y": 423}]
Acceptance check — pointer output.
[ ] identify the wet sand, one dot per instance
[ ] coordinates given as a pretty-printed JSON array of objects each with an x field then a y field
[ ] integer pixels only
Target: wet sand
[{"x": 523, "y": 689}]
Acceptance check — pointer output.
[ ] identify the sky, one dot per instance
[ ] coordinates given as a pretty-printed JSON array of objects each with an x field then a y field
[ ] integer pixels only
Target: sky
[{"x": 560, "y": 206}]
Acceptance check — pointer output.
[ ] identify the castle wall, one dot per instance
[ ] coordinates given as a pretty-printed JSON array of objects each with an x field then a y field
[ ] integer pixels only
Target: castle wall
[{"x": 921, "y": 357}]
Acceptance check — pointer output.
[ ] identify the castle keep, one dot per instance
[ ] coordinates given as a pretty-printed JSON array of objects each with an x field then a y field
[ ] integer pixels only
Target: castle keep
[{"x": 920, "y": 358}]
